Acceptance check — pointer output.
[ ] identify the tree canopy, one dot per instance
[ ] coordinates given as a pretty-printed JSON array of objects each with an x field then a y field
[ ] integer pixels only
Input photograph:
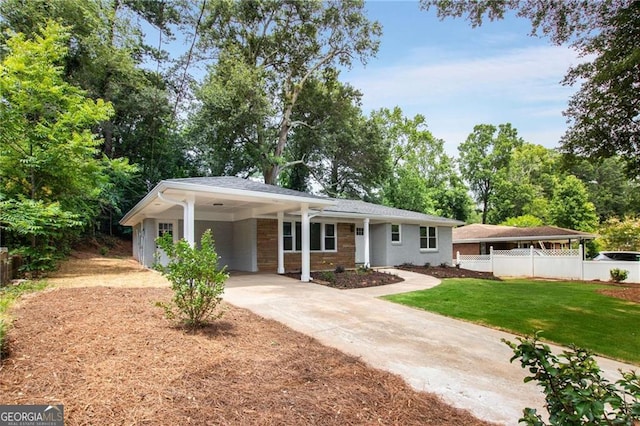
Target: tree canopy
[
  {"x": 267, "y": 53},
  {"x": 603, "y": 114},
  {"x": 105, "y": 50},
  {"x": 94, "y": 112},
  {"x": 50, "y": 173},
  {"x": 484, "y": 159},
  {"x": 424, "y": 177}
]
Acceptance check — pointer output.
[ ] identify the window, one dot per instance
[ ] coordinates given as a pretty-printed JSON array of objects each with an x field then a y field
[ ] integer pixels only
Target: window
[
  {"x": 329, "y": 236},
  {"x": 298, "y": 236},
  {"x": 359, "y": 231},
  {"x": 428, "y": 238},
  {"x": 322, "y": 236},
  {"x": 315, "y": 236},
  {"x": 287, "y": 236},
  {"x": 395, "y": 233},
  {"x": 165, "y": 228}
]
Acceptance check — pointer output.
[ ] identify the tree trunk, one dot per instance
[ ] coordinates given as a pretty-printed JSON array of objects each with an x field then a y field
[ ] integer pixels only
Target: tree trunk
[
  {"x": 270, "y": 174},
  {"x": 485, "y": 208}
]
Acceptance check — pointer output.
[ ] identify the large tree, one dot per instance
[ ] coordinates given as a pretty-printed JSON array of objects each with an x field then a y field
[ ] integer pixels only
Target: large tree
[
  {"x": 484, "y": 160},
  {"x": 267, "y": 52},
  {"x": 603, "y": 114},
  {"x": 109, "y": 57},
  {"x": 423, "y": 177},
  {"x": 613, "y": 194},
  {"x": 528, "y": 184},
  {"x": 620, "y": 234},
  {"x": 339, "y": 149},
  {"x": 50, "y": 170},
  {"x": 570, "y": 206}
]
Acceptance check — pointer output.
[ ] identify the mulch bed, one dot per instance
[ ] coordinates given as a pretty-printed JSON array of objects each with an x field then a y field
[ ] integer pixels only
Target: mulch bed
[
  {"x": 447, "y": 272},
  {"x": 350, "y": 279},
  {"x": 110, "y": 357},
  {"x": 623, "y": 291}
]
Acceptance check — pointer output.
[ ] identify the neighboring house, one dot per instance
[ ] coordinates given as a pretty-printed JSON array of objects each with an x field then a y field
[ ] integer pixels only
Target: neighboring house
[
  {"x": 265, "y": 228},
  {"x": 478, "y": 238}
]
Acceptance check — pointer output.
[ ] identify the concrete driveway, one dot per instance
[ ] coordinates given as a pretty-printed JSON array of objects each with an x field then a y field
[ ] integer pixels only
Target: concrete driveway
[{"x": 465, "y": 364}]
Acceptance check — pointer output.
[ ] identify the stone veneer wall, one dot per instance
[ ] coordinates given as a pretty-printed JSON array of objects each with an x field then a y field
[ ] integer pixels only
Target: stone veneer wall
[{"x": 267, "y": 242}]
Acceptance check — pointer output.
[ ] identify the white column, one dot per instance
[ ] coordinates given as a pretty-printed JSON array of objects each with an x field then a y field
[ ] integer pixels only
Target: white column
[
  {"x": 533, "y": 262},
  {"x": 581, "y": 256},
  {"x": 280, "y": 243},
  {"x": 305, "y": 275},
  {"x": 367, "y": 262},
  {"x": 189, "y": 220},
  {"x": 493, "y": 270}
]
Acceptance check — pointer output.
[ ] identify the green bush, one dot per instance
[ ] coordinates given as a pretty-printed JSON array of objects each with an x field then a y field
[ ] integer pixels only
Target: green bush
[
  {"x": 618, "y": 275},
  {"x": 328, "y": 276},
  {"x": 196, "y": 281},
  {"x": 575, "y": 391},
  {"x": 363, "y": 270}
]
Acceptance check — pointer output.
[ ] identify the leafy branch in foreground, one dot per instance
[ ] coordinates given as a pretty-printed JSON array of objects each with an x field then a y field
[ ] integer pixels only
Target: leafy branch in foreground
[
  {"x": 196, "y": 281},
  {"x": 575, "y": 391}
]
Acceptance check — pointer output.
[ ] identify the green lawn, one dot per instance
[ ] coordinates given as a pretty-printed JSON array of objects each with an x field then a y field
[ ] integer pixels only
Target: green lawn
[{"x": 567, "y": 312}]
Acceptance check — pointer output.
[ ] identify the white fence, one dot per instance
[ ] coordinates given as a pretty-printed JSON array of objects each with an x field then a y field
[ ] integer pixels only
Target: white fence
[
  {"x": 477, "y": 262},
  {"x": 556, "y": 264}
]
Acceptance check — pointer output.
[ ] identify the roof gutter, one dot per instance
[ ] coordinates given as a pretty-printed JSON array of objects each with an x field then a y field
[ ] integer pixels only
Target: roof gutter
[
  {"x": 525, "y": 238},
  {"x": 387, "y": 218},
  {"x": 171, "y": 200}
]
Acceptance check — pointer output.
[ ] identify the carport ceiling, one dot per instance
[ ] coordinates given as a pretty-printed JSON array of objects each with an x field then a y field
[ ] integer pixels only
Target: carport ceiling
[{"x": 227, "y": 207}]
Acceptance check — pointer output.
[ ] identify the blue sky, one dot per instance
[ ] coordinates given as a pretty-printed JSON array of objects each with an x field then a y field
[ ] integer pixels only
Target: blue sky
[{"x": 458, "y": 76}]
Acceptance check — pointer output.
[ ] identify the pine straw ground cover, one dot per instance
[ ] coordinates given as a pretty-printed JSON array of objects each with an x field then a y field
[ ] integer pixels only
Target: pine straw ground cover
[{"x": 110, "y": 357}]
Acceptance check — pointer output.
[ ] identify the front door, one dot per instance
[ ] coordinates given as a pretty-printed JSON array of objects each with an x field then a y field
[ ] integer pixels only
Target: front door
[{"x": 359, "y": 245}]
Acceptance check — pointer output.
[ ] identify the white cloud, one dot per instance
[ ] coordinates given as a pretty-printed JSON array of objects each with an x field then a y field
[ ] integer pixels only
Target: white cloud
[
  {"x": 520, "y": 85},
  {"x": 529, "y": 73}
]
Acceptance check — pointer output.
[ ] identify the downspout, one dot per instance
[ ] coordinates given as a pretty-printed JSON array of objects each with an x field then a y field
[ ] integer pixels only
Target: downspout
[{"x": 186, "y": 225}]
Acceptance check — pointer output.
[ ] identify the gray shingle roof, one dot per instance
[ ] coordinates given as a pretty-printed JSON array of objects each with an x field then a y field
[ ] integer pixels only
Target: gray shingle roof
[
  {"x": 342, "y": 206},
  {"x": 370, "y": 209},
  {"x": 232, "y": 182}
]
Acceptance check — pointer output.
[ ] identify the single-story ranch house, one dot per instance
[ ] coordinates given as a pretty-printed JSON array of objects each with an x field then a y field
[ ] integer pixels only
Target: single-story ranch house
[
  {"x": 265, "y": 228},
  {"x": 479, "y": 238}
]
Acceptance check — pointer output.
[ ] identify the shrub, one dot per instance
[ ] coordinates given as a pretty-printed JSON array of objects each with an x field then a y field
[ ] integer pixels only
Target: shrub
[
  {"x": 363, "y": 269},
  {"x": 196, "y": 281},
  {"x": 575, "y": 391},
  {"x": 328, "y": 276},
  {"x": 427, "y": 265},
  {"x": 339, "y": 269},
  {"x": 618, "y": 275}
]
